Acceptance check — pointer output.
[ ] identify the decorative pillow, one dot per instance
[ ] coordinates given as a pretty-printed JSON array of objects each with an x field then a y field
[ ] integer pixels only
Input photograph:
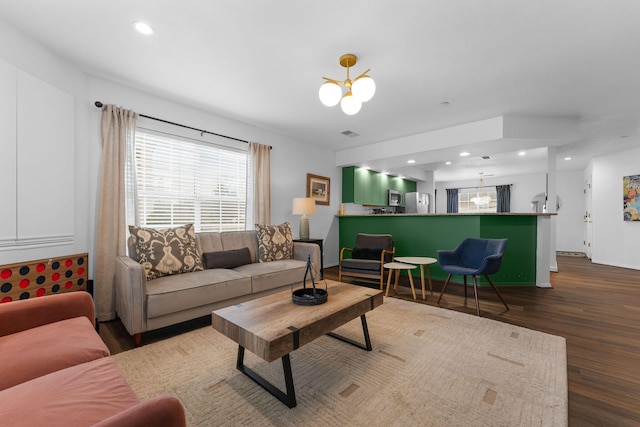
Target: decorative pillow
[
  {"x": 164, "y": 252},
  {"x": 227, "y": 259},
  {"x": 275, "y": 242}
]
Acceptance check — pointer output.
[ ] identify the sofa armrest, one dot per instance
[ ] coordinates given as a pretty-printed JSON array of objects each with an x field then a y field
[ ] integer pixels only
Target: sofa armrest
[
  {"x": 21, "y": 315},
  {"x": 166, "y": 411},
  {"x": 302, "y": 250},
  {"x": 131, "y": 283}
]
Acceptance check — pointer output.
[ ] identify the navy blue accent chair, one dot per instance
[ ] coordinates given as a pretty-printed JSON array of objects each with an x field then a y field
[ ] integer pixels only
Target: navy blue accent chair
[{"x": 473, "y": 257}]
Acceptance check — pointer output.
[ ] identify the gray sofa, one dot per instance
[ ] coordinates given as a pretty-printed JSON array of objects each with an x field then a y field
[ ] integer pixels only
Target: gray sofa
[{"x": 147, "y": 305}]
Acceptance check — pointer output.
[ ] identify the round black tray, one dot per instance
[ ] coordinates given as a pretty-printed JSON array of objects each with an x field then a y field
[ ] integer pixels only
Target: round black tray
[{"x": 309, "y": 296}]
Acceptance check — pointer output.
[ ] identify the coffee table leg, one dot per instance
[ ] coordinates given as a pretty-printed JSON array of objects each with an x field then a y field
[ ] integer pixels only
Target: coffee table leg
[
  {"x": 288, "y": 398},
  {"x": 367, "y": 340}
]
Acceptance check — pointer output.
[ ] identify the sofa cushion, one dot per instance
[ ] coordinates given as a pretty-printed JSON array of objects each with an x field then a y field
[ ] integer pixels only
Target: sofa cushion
[
  {"x": 271, "y": 275},
  {"x": 80, "y": 395},
  {"x": 168, "y": 251},
  {"x": 275, "y": 242},
  {"x": 44, "y": 349},
  {"x": 241, "y": 239},
  {"x": 172, "y": 294},
  {"x": 227, "y": 259}
]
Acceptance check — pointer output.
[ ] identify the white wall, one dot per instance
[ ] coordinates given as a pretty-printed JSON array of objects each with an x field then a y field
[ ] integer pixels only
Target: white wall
[
  {"x": 290, "y": 160},
  {"x": 20, "y": 51},
  {"x": 615, "y": 241},
  {"x": 570, "y": 219}
]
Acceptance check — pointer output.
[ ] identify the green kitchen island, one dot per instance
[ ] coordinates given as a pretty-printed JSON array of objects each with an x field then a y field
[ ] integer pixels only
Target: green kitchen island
[{"x": 526, "y": 261}]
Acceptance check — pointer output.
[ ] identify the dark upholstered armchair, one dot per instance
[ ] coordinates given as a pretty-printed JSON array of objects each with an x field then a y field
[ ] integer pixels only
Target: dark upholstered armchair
[
  {"x": 367, "y": 257},
  {"x": 473, "y": 257}
]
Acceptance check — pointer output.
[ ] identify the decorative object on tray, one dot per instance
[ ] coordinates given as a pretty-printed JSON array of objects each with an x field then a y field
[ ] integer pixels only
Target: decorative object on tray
[
  {"x": 319, "y": 188},
  {"x": 312, "y": 295}
]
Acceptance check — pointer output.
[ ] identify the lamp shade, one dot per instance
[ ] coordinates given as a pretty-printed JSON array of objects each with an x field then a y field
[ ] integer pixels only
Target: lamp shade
[
  {"x": 330, "y": 94},
  {"x": 303, "y": 206},
  {"x": 350, "y": 105},
  {"x": 363, "y": 88}
]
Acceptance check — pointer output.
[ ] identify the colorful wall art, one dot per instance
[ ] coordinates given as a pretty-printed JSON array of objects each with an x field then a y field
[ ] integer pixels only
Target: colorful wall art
[{"x": 631, "y": 198}]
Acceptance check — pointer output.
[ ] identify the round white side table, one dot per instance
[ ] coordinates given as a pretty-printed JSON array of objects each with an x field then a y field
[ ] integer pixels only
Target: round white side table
[
  {"x": 397, "y": 266},
  {"x": 421, "y": 261}
]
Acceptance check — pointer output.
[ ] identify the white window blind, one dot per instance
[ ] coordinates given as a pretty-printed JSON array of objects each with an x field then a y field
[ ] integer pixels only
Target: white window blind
[{"x": 181, "y": 181}]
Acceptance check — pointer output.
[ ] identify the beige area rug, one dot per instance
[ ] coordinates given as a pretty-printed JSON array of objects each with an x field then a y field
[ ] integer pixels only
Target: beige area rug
[{"x": 429, "y": 367}]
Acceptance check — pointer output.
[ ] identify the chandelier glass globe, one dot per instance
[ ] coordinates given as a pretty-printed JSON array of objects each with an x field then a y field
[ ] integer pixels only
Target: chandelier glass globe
[
  {"x": 363, "y": 88},
  {"x": 350, "y": 105},
  {"x": 330, "y": 94}
]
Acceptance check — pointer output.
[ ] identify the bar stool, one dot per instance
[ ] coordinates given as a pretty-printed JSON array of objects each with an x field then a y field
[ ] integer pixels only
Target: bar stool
[{"x": 397, "y": 266}]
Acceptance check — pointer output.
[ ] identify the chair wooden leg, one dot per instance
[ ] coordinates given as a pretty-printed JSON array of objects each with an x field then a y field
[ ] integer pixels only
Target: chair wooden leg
[
  {"x": 475, "y": 292},
  {"x": 496, "y": 289},
  {"x": 388, "y": 283},
  {"x": 413, "y": 289},
  {"x": 446, "y": 282}
]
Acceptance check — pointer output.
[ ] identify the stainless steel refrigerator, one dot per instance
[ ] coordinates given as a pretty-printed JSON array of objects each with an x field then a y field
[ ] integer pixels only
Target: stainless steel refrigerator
[{"x": 417, "y": 203}]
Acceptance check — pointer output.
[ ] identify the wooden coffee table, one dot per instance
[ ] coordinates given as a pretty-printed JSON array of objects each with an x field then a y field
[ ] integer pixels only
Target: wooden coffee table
[{"x": 273, "y": 326}]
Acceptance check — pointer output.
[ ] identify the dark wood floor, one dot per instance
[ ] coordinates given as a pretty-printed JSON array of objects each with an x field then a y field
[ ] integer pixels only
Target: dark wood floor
[{"x": 595, "y": 307}]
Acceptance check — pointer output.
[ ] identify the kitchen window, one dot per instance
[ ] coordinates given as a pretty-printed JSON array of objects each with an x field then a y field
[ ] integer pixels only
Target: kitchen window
[{"x": 475, "y": 200}]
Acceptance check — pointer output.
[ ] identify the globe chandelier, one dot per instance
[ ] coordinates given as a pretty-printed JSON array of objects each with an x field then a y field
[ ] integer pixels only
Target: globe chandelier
[
  {"x": 481, "y": 201},
  {"x": 359, "y": 90}
]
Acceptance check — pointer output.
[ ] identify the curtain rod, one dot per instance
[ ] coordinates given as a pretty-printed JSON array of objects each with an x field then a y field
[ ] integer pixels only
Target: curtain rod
[
  {"x": 100, "y": 104},
  {"x": 466, "y": 188}
]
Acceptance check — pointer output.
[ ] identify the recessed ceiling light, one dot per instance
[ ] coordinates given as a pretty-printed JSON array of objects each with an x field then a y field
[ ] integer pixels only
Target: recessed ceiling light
[
  {"x": 567, "y": 158},
  {"x": 447, "y": 163},
  {"x": 411, "y": 161},
  {"x": 143, "y": 28},
  {"x": 464, "y": 154},
  {"x": 444, "y": 104},
  {"x": 522, "y": 153}
]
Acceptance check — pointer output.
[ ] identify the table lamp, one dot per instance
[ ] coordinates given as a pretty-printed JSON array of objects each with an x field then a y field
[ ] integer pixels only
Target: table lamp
[{"x": 304, "y": 206}]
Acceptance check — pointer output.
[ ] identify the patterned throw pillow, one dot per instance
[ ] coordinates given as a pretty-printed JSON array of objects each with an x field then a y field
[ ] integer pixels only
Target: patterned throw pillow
[
  {"x": 275, "y": 242},
  {"x": 164, "y": 252}
]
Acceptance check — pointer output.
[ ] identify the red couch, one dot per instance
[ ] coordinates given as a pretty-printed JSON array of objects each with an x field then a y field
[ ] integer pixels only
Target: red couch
[{"x": 56, "y": 371}]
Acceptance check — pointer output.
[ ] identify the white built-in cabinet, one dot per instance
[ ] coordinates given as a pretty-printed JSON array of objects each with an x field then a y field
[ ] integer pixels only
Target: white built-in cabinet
[{"x": 37, "y": 162}]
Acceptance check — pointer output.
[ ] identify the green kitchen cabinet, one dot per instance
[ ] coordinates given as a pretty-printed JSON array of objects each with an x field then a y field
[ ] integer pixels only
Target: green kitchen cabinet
[{"x": 367, "y": 187}]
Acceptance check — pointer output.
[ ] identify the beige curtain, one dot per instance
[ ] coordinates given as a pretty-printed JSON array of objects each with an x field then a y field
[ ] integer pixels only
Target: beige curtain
[
  {"x": 259, "y": 200},
  {"x": 117, "y": 132}
]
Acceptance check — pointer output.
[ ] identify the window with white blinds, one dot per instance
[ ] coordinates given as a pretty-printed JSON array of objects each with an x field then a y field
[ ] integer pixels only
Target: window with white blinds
[{"x": 181, "y": 181}]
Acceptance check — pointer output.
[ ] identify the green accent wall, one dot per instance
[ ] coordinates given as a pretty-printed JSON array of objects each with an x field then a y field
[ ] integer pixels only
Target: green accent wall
[{"x": 423, "y": 235}]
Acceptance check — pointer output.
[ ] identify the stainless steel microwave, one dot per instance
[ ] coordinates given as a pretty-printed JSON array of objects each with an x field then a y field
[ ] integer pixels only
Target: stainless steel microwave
[{"x": 395, "y": 198}]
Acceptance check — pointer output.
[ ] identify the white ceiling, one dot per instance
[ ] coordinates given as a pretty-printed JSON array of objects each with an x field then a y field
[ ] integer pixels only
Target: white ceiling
[{"x": 261, "y": 62}]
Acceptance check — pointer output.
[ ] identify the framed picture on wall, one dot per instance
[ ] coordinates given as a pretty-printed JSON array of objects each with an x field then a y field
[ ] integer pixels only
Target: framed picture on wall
[
  {"x": 631, "y": 197},
  {"x": 319, "y": 188}
]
